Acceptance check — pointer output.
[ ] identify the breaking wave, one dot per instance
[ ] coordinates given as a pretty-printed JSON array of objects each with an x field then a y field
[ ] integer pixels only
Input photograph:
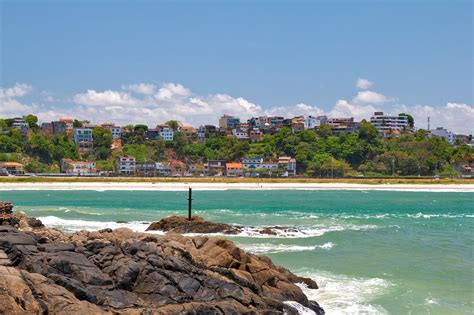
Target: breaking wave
[
  {"x": 267, "y": 248},
  {"x": 340, "y": 294},
  {"x": 78, "y": 225}
]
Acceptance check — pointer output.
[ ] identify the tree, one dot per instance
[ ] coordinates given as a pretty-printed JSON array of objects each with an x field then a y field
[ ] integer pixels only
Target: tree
[
  {"x": 411, "y": 120},
  {"x": 324, "y": 130},
  {"x": 367, "y": 132},
  {"x": 32, "y": 121},
  {"x": 77, "y": 124},
  {"x": 174, "y": 124},
  {"x": 139, "y": 134},
  {"x": 102, "y": 141}
]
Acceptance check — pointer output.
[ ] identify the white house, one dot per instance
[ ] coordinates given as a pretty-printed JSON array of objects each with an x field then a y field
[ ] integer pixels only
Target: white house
[
  {"x": 115, "y": 130},
  {"x": 165, "y": 132},
  {"x": 311, "y": 122},
  {"x": 240, "y": 134}
]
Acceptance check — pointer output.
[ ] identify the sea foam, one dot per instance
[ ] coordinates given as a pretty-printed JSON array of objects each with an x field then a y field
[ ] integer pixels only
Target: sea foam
[
  {"x": 267, "y": 248},
  {"x": 340, "y": 294},
  {"x": 78, "y": 225}
]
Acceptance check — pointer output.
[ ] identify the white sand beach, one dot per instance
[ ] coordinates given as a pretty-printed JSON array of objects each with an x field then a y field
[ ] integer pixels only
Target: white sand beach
[{"x": 175, "y": 186}]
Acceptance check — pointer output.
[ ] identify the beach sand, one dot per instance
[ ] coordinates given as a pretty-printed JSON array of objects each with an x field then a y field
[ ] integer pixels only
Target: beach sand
[{"x": 224, "y": 186}]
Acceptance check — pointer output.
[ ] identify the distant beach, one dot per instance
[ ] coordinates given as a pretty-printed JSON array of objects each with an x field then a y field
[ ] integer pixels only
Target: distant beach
[{"x": 176, "y": 186}]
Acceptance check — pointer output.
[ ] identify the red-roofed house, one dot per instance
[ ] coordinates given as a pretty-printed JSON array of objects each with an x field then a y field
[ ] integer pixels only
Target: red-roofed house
[{"x": 234, "y": 169}]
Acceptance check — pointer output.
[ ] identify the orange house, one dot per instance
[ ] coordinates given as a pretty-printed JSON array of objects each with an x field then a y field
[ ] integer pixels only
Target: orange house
[{"x": 234, "y": 169}]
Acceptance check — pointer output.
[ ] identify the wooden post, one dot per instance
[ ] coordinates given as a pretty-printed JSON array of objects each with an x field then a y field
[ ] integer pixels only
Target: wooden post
[{"x": 190, "y": 198}]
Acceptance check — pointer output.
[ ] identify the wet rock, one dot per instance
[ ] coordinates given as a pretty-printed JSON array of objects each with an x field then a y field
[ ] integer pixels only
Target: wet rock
[{"x": 34, "y": 223}]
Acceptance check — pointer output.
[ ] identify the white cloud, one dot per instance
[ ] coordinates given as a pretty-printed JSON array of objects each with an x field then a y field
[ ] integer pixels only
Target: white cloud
[
  {"x": 363, "y": 83},
  {"x": 10, "y": 105},
  {"x": 345, "y": 109},
  {"x": 295, "y": 110},
  {"x": 455, "y": 116},
  {"x": 18, "y": 90},
  {"x": 370, "y": 97},
  {"x": 171, "y": 90},
  {"x": 170, "y": 101},
  {"x": 108, "y": 97},
  {"x": 140, "y": 88}
]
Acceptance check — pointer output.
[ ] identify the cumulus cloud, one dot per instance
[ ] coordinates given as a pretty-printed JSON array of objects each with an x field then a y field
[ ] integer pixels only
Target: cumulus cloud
[
  {"x": 18, "y": 90},
  {"x": 140, "y": 88},
  {"x": 345, "y": 109},
  {"x": 455, "y": 116},
  {"x": 363, "y": 83},
  {"x": 105, "y": 98},
  {"x": 9, "y": 103},
  {"x": 170, "y": 101},
  {"x": 295, "y": 110},
  {"x": 370, "y": 97},
  {"x": 172, "y": 91}
]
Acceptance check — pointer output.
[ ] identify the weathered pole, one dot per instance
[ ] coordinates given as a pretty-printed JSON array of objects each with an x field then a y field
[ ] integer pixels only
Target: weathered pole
[{"x": 190, "y": 203}]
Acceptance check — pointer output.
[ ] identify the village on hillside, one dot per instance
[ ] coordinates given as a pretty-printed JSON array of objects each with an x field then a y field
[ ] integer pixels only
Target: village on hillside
[{"x": 95, "y": 143}]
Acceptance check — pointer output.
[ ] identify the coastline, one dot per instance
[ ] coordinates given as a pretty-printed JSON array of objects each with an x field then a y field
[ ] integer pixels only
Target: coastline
[{"x": 181, "y": 186}]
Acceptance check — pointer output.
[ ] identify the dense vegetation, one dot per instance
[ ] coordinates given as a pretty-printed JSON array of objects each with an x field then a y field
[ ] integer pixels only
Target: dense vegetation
[{"x": 318, "y": 154}]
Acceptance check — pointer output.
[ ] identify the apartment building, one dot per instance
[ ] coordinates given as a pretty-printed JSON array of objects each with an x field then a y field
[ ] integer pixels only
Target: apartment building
[
  {"x": 126, "y": 165},
  {"x": 288, "y": 165},
  {"x": 83, "y": 139},
  {"x": 387, "y": 123},
  {"x": 165, "y": 132},
  {"x": 229, "y": 122},
  {"x": 250, "y": 165}
]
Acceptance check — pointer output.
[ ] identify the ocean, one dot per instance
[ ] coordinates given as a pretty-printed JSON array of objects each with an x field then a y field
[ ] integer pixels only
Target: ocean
[{"x": 371, "y": 252}]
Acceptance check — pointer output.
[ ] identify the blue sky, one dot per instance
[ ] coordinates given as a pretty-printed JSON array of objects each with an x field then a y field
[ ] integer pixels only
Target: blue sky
[{"x": 208, "y": 57}]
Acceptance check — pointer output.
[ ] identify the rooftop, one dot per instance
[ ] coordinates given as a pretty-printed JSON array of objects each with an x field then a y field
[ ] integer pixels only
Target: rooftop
[{"x": 234, "y": 165}]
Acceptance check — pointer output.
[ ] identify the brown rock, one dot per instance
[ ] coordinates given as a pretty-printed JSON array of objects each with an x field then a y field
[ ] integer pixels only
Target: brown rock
[{"x": 122, "y": 271}]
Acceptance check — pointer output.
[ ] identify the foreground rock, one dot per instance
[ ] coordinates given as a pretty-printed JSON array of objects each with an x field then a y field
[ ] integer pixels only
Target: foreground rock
[
  {"x": 125, "y": 272},
  {"x": 182, "y": 225},
  {"x": 6, "y": 215}
]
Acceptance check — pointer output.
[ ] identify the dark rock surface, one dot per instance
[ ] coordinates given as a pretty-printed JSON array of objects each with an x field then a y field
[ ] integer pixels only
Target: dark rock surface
[
  {"x": 120, "y": 271},
  {"x": 182, "y": 225}
]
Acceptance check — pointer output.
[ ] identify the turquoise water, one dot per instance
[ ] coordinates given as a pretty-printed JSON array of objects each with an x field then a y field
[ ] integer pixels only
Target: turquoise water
[{"x": 370, "y": 251}]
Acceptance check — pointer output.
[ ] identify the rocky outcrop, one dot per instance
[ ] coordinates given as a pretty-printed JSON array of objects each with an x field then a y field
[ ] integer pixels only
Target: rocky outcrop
[
  {"x": 182, "y": 225},
  {"x": 120, "y": 271}
]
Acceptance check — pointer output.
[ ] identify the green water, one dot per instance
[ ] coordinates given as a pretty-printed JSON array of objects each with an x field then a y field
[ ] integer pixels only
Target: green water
[{"x": 370, "y": 251}]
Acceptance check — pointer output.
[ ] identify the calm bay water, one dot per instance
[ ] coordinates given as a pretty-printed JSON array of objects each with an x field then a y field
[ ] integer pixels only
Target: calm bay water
[{"x": 370, "y": 251}]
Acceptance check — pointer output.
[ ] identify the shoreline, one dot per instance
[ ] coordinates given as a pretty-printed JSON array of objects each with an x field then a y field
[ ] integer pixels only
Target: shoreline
[{"x": 182, "y": 186}]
